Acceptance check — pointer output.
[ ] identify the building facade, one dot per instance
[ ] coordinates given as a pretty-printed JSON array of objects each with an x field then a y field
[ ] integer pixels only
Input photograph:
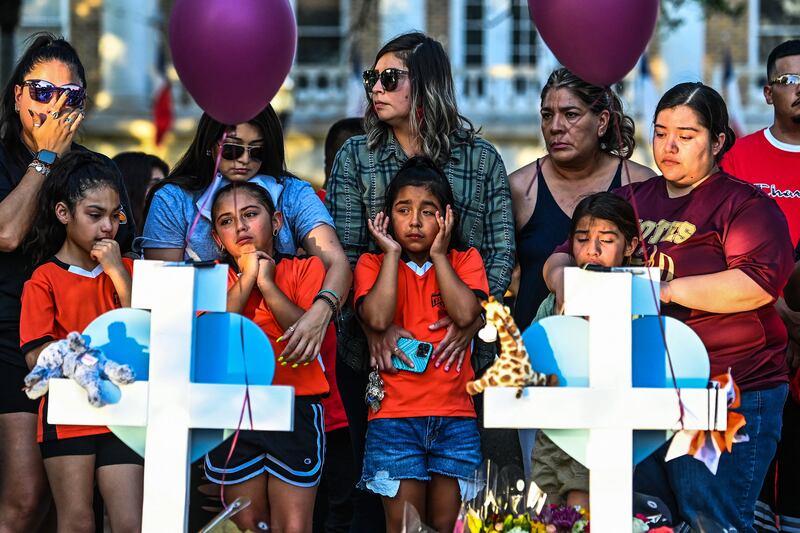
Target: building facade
[{"x": 499, "y": 65}]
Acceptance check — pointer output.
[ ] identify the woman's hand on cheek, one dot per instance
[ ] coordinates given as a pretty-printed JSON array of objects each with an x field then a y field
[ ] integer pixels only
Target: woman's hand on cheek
[{"x": 55, "y": 133}]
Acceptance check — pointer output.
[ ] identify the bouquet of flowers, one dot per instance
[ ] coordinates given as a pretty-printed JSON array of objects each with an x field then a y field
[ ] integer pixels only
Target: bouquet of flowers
[{"x": 552, "y": 519}]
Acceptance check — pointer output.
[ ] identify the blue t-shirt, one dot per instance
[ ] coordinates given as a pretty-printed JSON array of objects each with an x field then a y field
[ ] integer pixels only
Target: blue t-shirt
[{"x": 173, "y": 211}]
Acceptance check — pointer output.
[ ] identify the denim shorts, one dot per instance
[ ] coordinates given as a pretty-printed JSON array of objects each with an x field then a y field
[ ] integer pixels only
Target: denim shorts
[{"x": 415, "y": 448}]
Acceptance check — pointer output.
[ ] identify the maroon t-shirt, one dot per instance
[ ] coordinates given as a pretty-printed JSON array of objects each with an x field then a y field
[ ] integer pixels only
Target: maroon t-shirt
[{"x": 724, "y": 223}]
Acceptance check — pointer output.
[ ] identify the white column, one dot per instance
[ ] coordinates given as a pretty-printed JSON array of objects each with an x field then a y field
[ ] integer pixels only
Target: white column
[
  {"x": 497, "y": 53},
  {"x": 683, "y": 48},
  {"x": 754, "y": 65},
  {"x": 546, "y": 61},
  {"x": 400, "y": 16},
  {"x": 128, "y": 48}
]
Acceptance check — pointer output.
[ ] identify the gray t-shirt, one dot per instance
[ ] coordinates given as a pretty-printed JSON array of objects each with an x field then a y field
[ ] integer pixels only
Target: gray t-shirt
[{"x": 173, "y": 211}]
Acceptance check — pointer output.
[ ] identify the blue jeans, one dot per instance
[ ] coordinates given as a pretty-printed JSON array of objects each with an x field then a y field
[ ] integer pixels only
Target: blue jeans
[
  {"x": 416, "y": 447},
  {"x": 729, "y": 498}
]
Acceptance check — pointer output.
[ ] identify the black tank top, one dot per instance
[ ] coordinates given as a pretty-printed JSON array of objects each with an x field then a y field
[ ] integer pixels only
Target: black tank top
[{"x": 547, "y": 228}]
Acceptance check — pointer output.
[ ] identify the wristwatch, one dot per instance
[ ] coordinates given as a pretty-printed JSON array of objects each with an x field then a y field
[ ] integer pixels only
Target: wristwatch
[{"x": 43, "y": 161}]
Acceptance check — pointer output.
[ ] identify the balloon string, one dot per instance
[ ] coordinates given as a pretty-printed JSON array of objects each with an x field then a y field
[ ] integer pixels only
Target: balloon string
[
  {"x": 246, "y": 404},
  {"x": 196, "y": 219},
  {"x": 643, "y": 245}
]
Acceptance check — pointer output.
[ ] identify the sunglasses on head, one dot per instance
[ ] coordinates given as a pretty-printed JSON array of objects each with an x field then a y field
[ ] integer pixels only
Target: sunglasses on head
[
  {"x": 232, "y": 151},
  {"x": 787, "y": 79},
  {"x": 390, "y": 77},
  {"x": 42, "y": 91}
]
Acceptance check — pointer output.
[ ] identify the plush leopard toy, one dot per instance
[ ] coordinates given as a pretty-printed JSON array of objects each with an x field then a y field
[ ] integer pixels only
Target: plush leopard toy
[
  {"x": 513, "y": 367},
  {"x": 74, "y": 358}
]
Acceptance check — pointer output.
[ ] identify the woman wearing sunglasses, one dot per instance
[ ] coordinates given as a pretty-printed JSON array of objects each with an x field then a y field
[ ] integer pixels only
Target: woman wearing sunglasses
[
  {"x": 41, "y": 111},
  {"x": 412, "y": 111},
  {"x": 178, "y": 213}
]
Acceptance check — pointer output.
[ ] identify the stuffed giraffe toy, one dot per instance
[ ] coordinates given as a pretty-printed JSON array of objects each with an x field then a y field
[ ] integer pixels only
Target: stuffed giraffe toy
[{"x": 513, "y": 367}]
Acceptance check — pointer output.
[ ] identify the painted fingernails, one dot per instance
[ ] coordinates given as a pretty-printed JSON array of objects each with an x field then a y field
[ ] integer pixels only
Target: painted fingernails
[
  {"x": 280, "y": 359},
  {"x": 295, "y": 365},
  {"x": 284, "y": 363}
]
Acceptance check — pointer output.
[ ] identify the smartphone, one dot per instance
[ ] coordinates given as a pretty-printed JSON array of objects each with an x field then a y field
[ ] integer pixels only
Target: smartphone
[{"x": 419, "y": 352}]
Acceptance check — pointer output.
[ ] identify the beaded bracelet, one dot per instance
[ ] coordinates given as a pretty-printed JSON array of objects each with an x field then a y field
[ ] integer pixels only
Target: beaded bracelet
[
  {"x": 327, "y": 299},
  {"x": 332, "y": 293}
]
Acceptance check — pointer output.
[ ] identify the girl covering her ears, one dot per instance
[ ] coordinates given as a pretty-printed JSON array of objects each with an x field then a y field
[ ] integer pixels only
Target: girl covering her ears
[
  {"x": 602, "y": 232},
  {"x": 422, "y": 443},
  {"x": 277, "y": 471},
  {"x": 81, "y": 276}
]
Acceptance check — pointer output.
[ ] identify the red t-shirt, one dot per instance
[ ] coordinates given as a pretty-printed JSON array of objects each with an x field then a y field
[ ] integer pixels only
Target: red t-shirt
[
  {"x": 335, "y": 416},
  {"x": 724, "y": 223},
  {"x": 774, "y": 167},
  {"x": 58, "y": 299},
  {"x": 419, "y": 304},
  {"x": 300, "y": 280}
]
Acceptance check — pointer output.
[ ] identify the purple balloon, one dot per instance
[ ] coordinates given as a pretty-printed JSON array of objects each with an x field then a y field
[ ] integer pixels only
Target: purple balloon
[
  {"x": 232, "y": 55},
  {"x": 598, "y": 40}
]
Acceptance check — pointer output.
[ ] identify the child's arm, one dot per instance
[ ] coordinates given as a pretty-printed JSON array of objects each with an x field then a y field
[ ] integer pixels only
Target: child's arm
[
  {"x": 106, "y": 252},
  {"x": 461, "y": 303},
  {"x": 32, "y": 356},
  {"x": 240, "y": 291},
  {"x": 377, "y": 307},
  {"x": 285, "y": 311}
]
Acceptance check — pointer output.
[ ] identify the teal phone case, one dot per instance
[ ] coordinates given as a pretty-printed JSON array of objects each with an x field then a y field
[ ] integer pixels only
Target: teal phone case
[{"x": 419, "y": 352}]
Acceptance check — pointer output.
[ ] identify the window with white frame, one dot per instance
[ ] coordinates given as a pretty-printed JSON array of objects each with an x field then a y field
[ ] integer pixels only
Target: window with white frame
[
  {"x": 41, "y": 15},
  {"x": 779, "y": 21},
  {"x": 320, "y": 32},
  {"x": 523, "y": 35},
  {"x": 474, "y": 12}
]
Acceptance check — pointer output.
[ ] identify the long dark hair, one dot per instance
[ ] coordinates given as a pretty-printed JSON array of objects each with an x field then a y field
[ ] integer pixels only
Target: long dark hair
[
  {"x": 421, "y": 171},
  {"x": 607, "y": 206},
  {"x": 43, "y": 47},
  {"x": 708, "y": 106},
  {"x": 137, "y": 173},
  {"x": 77, "y": 173},
  {"x": 434, "y": 113},
  {"x": 194, "y": 170},
  {"x": 598, "y": 99}
]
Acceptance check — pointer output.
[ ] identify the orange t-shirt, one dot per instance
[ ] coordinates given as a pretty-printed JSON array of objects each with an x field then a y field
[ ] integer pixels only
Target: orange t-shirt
[
  {"x": 58, "y": 299},
  {"x": 300, "y": 280},
  {"x": 434, "y": 392}
]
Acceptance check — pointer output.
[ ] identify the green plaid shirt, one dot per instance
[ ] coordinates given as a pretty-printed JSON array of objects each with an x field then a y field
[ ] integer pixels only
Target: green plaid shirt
[
  {"x": 476, "y": 173},
  {"x": 357, "y": 187}
]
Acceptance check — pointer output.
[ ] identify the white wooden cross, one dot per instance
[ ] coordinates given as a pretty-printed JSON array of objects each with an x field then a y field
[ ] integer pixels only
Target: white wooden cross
[
  {"x": 169, "y": 404},
  {"x": 610, "y": 407}
]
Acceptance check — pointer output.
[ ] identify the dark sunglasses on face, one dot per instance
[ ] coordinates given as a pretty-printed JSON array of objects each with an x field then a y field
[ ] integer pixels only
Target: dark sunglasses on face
[
  {"x": 233, "y": 151},
  {"x": 42, "y": 91},
  {"x": 787, "y": 79},
  {"x": 390, "y": 77}
]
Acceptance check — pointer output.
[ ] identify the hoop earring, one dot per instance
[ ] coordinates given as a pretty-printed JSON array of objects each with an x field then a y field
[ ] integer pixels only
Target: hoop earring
[{"x": 275, "y": 233}]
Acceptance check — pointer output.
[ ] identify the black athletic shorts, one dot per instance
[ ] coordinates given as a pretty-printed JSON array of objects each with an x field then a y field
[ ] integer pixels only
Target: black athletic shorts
[
  {"x": 106, "y": 447},
  {"x": 12, "y": 398},
  {"x": 293, "y": 456}
]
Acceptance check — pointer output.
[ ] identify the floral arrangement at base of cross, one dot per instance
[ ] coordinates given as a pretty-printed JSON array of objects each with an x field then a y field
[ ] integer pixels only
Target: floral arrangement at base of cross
[{"x": 552, "y": 519}]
